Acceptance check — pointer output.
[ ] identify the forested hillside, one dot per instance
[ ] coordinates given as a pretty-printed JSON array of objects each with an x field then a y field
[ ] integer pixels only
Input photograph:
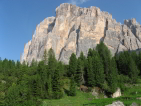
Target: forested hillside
[{"x": 29, "y": 85}]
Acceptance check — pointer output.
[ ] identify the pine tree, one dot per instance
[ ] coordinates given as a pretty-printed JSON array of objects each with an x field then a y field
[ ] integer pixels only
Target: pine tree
[
  {"x": 133, "y": 71},
  {"x": 105, "y": 55},
  {"x": 72, "y": 91},
  {"x": 57, "y": 89},
  {"x": 79, "y": 73},
  {"x": 98, "y": 71},
  {"x": 49, "y": 88},
  {"x": 61, "y": 69},
  {"x": 12, "y": 96},
  {"x": 42, "y": 70},
  {"x": 33, "y": 63},
  {"x": 52, "y": 62},
  {"x": 112, "y": 76},
  {"x": 90, "y": 73},
  {"x": 72, "y": 65},
  {"x": 134, "y": 56},
  {"x": 33, "y": 86},
  {"x": 45, "y": 57},
  {"x": 122, "y": 64},
  {"x": 90, "y": 53},
  {"x": 83, "y": 67},
  {"x": 82, "y": 57},
  {"x": 139, "y": 63}
]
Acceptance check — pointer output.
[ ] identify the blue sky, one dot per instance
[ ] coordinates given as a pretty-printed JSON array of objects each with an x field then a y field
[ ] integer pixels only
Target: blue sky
[{"x": 18, "y": 18}]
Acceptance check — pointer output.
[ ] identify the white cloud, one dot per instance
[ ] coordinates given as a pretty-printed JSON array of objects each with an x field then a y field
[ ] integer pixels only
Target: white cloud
[{"x": 77, "y": 2}]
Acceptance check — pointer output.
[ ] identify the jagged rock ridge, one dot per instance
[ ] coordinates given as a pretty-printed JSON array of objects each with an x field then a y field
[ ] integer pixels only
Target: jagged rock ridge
[{"x": 76, "y": 29}]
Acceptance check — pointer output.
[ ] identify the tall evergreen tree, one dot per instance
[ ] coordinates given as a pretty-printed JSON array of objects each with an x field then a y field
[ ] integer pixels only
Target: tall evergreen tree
[
  {"x": 49, "y": 88},
  {"x": 98, "y": 71},
  {"x": 79, "y": 73},
  {"x": 42, "y": 70},
  {"x": 45, "y": 57},
  {"x": 12, "y": 96},
  {"x": 90, "y": 73},
  {"x": 61, "y": 69},
  {"x": 72, "y": 65},
  {"x": 112, "y": 76},
  {"x": 90, "y": 53},
  {"x": 83, "y": 62},
  {"x": 134, "y": 56},
  {"x": 139, "y": 63},
  {"x": 122, "y": 64},
  {"x": 105, "y": 55},
  {"x": 133, "y": 70},
  {"x": 72, "y": 91},
  {"x": 57, "y": 88},
  {"x": 82, "y": 57},
  {"x": 52, "y": 62}
]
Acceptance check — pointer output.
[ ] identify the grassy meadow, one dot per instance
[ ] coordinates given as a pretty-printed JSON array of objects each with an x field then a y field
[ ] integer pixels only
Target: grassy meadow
[{"x": 130, "y": 95}]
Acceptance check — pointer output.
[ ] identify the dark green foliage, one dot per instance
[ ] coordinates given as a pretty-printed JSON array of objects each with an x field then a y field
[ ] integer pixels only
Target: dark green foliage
[
  {"x": 98, "y": 71},
  {"x": 134, "y": 56},
  {"x": 57, "y": 88},
  {"x": 42, "y": 71},
  {"x": 133, "y": 71},
  {"x": 61, "y": 69},
  {"x": 72, "y": 65},
  {"x": 123, "y": 63},
  {"x": 72, "y": 91},
  {"x": 49, "y": 88},
  {"x": 105, "y": 55},
  {"x": 95, "y": 69},
  {"x": 112, "y": 76},
  {"x": 83, "y": 67},
  {"x": 52, "y": 62},
  {"x": 90, "y": 73},
  {"x": 45, "y": 57},
  {"x": 28, "y": 84},
  {"x": 79, "y": 72},
  {"x": 127, "y": 65},
  {"x": 13, "y": 96},
  {"x": 139, "y": 62}
]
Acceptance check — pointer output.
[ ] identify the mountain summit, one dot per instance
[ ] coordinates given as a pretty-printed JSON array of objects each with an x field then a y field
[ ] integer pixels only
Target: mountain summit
[{"x": 76, "y": 29}]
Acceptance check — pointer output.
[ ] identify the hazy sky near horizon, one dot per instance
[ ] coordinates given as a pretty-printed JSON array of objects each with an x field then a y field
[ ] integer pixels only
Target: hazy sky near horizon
[{"x": 19, "y": 18}]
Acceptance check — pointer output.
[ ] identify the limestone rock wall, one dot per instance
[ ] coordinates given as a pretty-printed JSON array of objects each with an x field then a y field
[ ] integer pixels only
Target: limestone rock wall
[{"x": 76, "y": 29}]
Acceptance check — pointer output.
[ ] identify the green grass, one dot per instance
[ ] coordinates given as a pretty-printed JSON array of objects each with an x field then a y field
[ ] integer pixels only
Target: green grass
[
  {"x": 79, "y": 100},
  {"x": 86, "y": 99}
]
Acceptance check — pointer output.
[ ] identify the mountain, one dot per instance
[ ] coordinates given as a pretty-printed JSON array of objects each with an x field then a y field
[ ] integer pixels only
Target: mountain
[{"x": 76, "y": 29}]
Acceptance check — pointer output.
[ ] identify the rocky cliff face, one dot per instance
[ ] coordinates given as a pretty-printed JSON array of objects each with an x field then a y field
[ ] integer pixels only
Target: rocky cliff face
[{"x": 76, "y": 29}]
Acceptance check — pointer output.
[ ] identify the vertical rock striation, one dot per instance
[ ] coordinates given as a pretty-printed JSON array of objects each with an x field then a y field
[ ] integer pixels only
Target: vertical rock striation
[{"x": 76, "y": 29}]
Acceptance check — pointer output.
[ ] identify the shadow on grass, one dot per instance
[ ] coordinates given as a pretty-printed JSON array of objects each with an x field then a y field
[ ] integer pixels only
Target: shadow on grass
[{"x": 66, "y": 91}]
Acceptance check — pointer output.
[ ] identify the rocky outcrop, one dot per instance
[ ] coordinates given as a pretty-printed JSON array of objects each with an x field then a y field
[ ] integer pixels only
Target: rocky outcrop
[
  {"x": 134, "y": 104},
  {"x": 76, "y": 29},
  {"x": 117, "y": 103},
  {"x": 117, "y": 93}
]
